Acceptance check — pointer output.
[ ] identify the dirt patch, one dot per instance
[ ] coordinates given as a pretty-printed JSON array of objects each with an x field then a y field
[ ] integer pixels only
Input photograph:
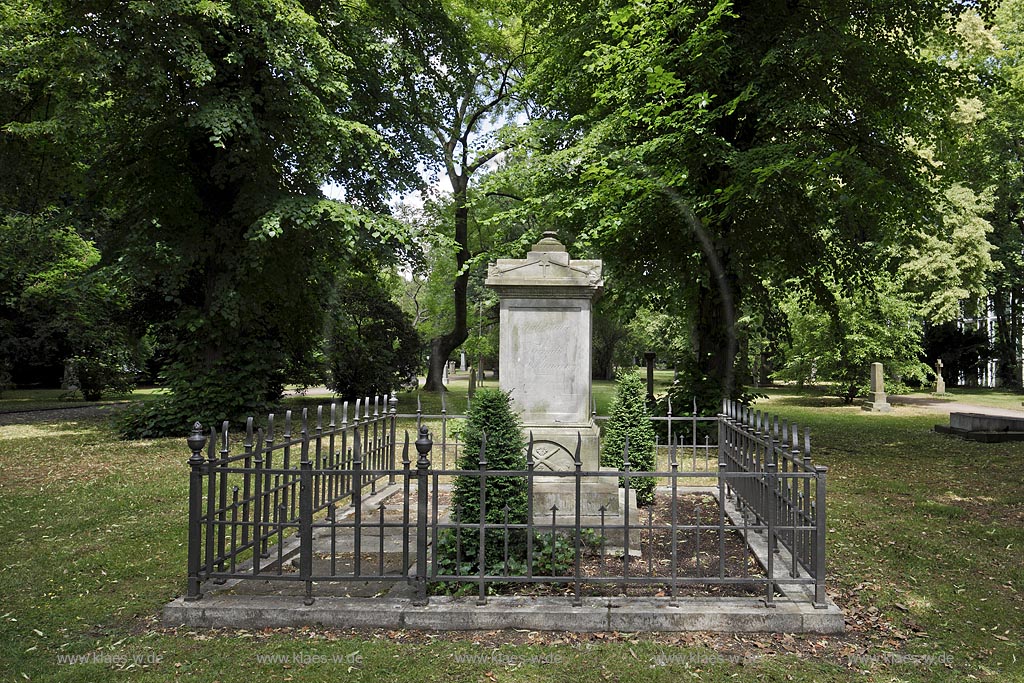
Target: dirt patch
[{"x": 698, "y": 552}]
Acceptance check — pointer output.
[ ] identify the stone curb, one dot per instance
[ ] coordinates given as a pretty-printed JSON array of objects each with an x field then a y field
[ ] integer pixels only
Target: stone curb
[{"x": 733, "y": 615}]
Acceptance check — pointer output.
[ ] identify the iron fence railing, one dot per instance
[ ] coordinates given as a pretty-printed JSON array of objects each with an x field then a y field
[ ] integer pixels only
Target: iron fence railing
[
  {"x": 305, "y": 507},
  {"x": 271, "y": 495},
  {"x": 787, "y": 492}
]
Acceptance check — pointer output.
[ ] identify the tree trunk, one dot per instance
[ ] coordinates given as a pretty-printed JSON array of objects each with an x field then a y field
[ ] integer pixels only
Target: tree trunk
[
  {"x": 442, "y": 347},
  {"x": 714, "y": 336}
]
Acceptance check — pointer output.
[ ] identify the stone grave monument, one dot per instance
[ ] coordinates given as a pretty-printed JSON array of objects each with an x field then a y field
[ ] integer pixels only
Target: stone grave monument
[
  {"x": 940, "y": 384},
  {"x": 877, "y": 402},
  {"x": 545, "y": 355}
]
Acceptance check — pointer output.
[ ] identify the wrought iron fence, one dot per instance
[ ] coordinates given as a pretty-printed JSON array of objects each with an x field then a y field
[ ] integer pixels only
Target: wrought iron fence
[
  {"x": 273, "y": 497},
  {"x": 260, "y": 514},
  {"x": 785, "y": 492}
]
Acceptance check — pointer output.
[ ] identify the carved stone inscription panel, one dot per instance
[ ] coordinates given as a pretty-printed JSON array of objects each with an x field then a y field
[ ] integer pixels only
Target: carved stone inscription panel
[{"x": 545, "y": 359}]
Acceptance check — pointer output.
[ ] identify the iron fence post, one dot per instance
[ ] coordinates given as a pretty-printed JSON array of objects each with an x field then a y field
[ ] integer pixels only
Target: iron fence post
[
  {"x": 722, "y": 417},
  {"x": 721, "y": 516},
  {"x": 196, "y": 442},
  {"x": 357, "y": 501},
  {"x": 578, "y": 462},
  {"x": 481, "y": 550},
  {"x": 674, "y": 504},
  {"x": 819, "y": 539},
  {"x": 257, "y": 507},
  {"x": 771, "y": 475},
  {"x": 211, "y": 498},
  {"x": 393, "y": 413},
  {"x": 306, "y": 522},
  {"x": 222, "y": 499},
  {"x": 625, "y": 513},
  {"x": 406, "y": 483},
  {"x": 529, "y": 506},
  {"x": 423, "y": 446}
]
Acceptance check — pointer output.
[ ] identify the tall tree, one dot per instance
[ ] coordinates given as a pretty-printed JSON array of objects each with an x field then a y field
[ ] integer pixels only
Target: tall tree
[
  {"x": 982, "y": 148},
  {"x": 710, "y": 147},
  {"x": 209, "y": 130},
  {"x": 464, "y": 121}
]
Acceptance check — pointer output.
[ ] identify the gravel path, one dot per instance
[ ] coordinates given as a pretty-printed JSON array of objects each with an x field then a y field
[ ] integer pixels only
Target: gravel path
[
  {"x": 58, "y": 414},
  {"x": 947, "y": 407}
]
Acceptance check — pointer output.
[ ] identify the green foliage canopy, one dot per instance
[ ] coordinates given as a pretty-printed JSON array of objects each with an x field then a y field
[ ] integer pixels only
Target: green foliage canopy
[
  {"x": 704, "y": 149},
  {"x": 201, "y": 134}
]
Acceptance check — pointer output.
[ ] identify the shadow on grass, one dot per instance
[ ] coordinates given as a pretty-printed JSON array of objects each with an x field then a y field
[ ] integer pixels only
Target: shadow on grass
[{"x": 807, "y": 399}]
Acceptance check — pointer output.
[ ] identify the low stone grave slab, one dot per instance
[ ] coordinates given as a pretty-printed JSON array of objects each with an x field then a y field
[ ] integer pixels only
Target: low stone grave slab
[{"x": 985, "y": 428}]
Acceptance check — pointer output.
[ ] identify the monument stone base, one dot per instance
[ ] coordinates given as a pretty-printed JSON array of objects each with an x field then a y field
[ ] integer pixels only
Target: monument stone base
[
  {"x": 554, "y": 449},
  {"x": 877, "y": 403},
  {"x": 595, "y": 492}
]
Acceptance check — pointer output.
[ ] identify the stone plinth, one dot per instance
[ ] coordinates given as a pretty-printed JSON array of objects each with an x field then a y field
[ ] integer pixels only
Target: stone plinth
[
  {"x": 877, "y": 401},
  {"x": 545, "y": 358},
  {"x": 986, "y": 428}
]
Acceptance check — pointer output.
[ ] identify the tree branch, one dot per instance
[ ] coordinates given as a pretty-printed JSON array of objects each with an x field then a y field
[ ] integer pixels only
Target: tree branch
[{"x": 503, "y": 194}]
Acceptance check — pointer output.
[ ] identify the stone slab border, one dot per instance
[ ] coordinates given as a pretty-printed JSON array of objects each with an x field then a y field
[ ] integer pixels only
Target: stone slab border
[{"x": 733, "y": 615}]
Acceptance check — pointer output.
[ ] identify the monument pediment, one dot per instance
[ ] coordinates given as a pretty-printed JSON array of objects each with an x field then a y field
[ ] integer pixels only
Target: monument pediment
[{"x": 547, "y": 266}]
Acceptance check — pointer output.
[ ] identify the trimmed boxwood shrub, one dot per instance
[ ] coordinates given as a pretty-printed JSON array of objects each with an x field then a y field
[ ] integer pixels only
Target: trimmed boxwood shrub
[
  {"x": 630, "y": 416},
  {"x": 491, "y": 413},
  {"x": 457, "y": 553}
]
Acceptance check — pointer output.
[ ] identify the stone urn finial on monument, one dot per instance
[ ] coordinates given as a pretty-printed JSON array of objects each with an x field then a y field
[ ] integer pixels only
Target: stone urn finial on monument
[{"x": 545, "y": 358}]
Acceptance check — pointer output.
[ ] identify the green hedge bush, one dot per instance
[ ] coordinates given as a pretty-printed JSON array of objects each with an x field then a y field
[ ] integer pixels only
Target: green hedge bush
[{"x": 630, "y": 417}]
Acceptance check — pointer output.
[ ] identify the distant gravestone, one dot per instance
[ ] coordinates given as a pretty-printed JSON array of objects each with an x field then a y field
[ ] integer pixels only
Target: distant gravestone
[
  {"x": 462, "y": 362},
  {"x": 877, "y": 402},
  {"x": 444, "y": 376},
  {"x": 940, "y": 384}
]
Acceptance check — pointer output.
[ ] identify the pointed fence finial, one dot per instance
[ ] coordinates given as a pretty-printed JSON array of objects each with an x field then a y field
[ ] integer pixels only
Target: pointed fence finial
[{"x": 483, "y": 449}]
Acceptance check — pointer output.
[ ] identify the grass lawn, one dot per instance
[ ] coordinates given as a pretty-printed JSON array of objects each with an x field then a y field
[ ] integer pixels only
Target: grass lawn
[
  {"x": 986, "y": 397},
  {"x": 925, "y": 552}
]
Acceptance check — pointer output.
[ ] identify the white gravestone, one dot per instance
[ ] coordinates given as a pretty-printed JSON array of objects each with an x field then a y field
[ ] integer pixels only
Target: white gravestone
[
  {"x": 545, "y": 359},
  {"x": 877, "y": 402},
  {"x": 940, "y": 383}
]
